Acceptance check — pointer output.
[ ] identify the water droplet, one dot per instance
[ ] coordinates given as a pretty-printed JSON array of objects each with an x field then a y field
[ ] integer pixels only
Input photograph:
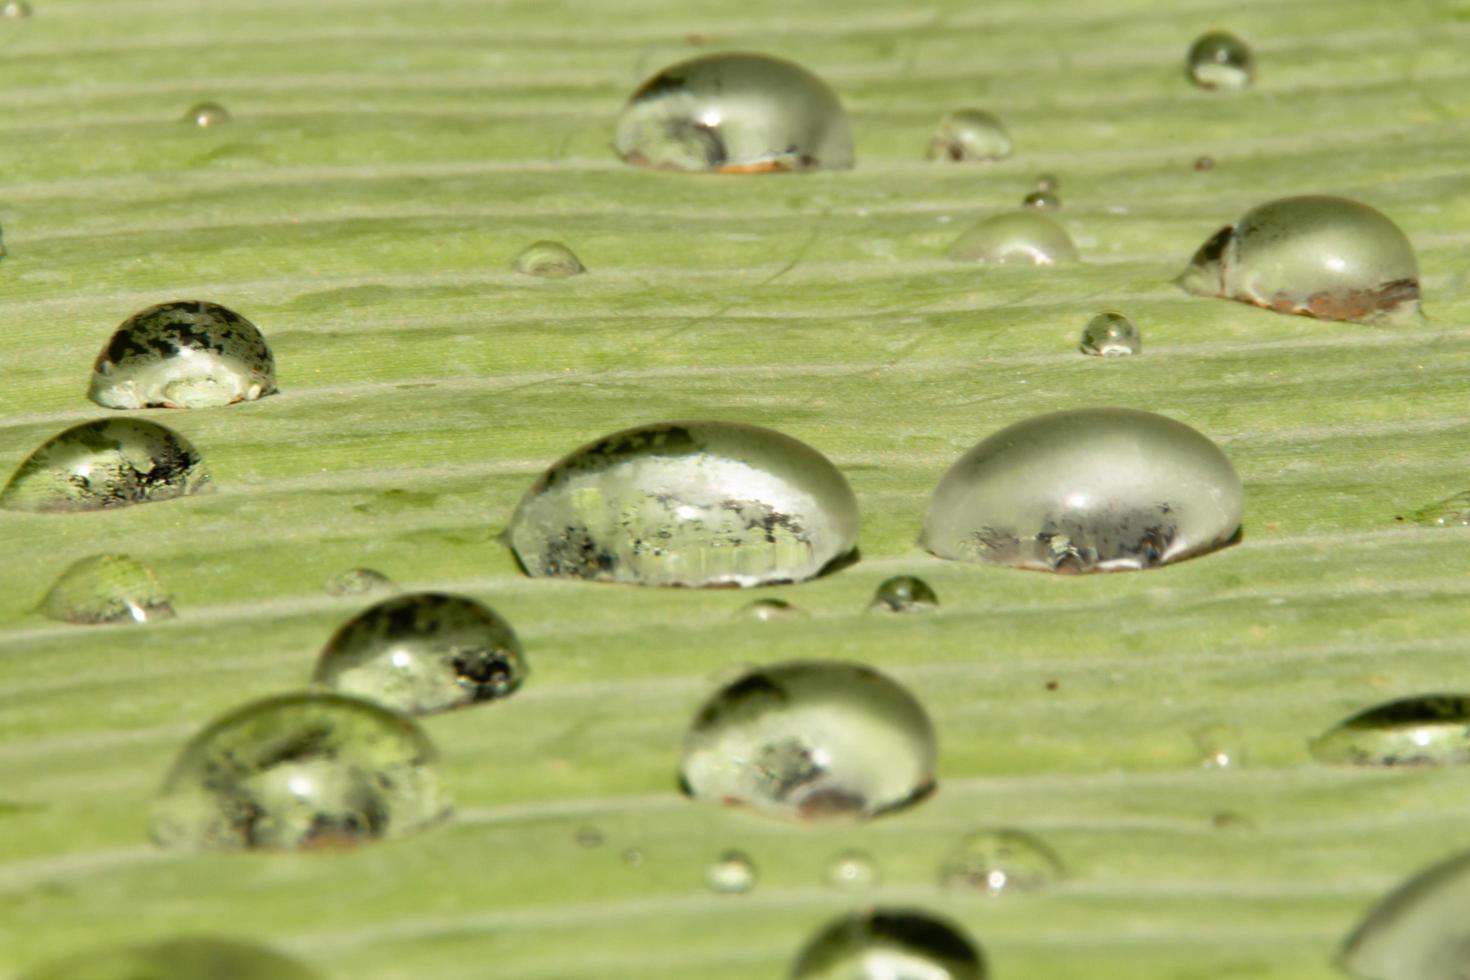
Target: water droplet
[
  {"x": 185, "y": 958},
  {"x": 1091, "y": 489},
  {"x": 1024, "y": 237},
  {"x": 183, "y": 355},
  {"x": 969, "y": 135},
  {"x": 107, "y": 589},
  {"x": 1042, "y": 201},
  {"x": 904, "y": 594},
  {"x": 1220, "y": 746},
  {"x": 634, "y": 857},
  {"x": 1429, "y": 729},
  {"x": 768, "y": 611},
  {"x": 1417, "y": 931},
  {"x": 359, "y": 581},
  {"x": 424, "y": 652},
  {"x": 15, "y": 9},
  {"x": 109, "y": 463},
  {"x": 853, "y": 869},
  {"x": 1450, "y": 512},
  {"x": 732, "y": 874},
  {"x": 1110, "y": 335},
  {"x": 1219, "y": 60},
  {"x": 300, "y": 771},
  {"x": 207, "y": 114},
  {"x": 589, "y": 837},
  {"x": 1325, "y": 257},
  {"x": 811, "y": 740},
  {"x": 1046, "y": 183},
  {"x": 548, "y": 260},
  {"x": 1000, "y": 862},
  {"x": 1231, "y": 820},
  {"x": 889, "y": 944},
  {"x": 687, "y": 503},
  {"x": 1204, "y": 163},
  {"x": 735, "y": 114}
]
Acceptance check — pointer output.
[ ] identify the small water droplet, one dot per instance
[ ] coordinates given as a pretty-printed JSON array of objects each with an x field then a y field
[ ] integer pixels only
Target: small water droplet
[
  {"x": 1092, "y": 489},
  {"x": 1231, "y": 820},
  {"x": 1110, "y": 335},
  {"x": 1204, "y": 163},
  {"x": 109, "y": 463},
  {"x": 359, "y": 581},
  {"x": 768, "y": 611},
  {"x": 1318, "y": 256},
  {"x": 548, "y": 260},
  {"x": 1024, "y": 237},
  {"x": 811, "y": 740},
  {"x": 184, "y": 958},
  {"x": 207, "y": 114},
  {"x": 853, "y": 869},
  {"x": 687, "y": 503},
  {"x": 634, "y": 857},
  {"x": 1046, "y": 183},
  {"x": 107, "y": 589},
  {"x": 300, "y": 771},
  {"x": 1042, "y": 201},
  {"x": 1428, "y": 729},
  {"x": 183, "y": 355},
  {"x": 1449, "y": 512},
  {"x": 1001, "y": 862},
  {"x": 424, "y": 652},
  {"x": 1220, "y": 746},
  {"x": 732, "y": 874},
  {"x": 589, "y": 837},
  {"x": 15, "y": 9},
  {"x": 1219, "y": 60},
  {"x": 1417, "y": 931},
  {"x": 904, "y": 594},
  {"x": 889, "y": 944},
  {"x": 735, "y": 113},
  {"x": 967, "y": 135}
]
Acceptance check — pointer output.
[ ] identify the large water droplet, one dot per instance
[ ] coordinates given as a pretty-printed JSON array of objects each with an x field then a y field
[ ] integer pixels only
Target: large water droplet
[
  {"x": 1219, "y": 60},
  {"x": 300, "y": 771},
  {"x": 107, "y": 589},
  {"x": 853, "y": 869},
  {"x": 969, "y": 135},
  {"x": 1326, "y": 257},
  {"x": 359, "y": 581},
  {"x": 889, "y": 944},
  {"x": 185, "y": 958},
  {"x": 1418, "y": 931},
  {"x": 1430, "y": 729},
  {"x": 1110, "y": 335},
  {"x": 769, "y": 611},
  {"x": 1024, "y": 238},
  {"x": 110, "y": 463},
  {"x": 811, "y": 740},
  {"x": 183, "y": 355},
  {"x": 732, "y": 874},
  {"x": 1091, "y": 489},
  {"x": 207, "y": 114},
  {"x": 904, "y": 594},
  {"x": 1001, "y": 862},
  {"x": 548, "y": 260},
  {"x": 424, "y": 652},
  {"x": 687, "y": 503},
  {"x": 1451, "y": 512},
  {"x": 735, "y": 113}
]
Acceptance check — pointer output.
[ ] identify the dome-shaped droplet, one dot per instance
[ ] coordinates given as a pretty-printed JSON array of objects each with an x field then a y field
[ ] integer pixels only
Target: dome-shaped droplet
[
  {"x": 110, "y": 463},
  {"x": 1024, "y": 238},
  {"x": 904, "y": 594},
  {"x": 1110, "y": 335},
  {"x": 735, "y": 113},
  {"x": 1453, "y": 511},
  {"x": 769, "y": 611},
  {"x": 1418, "y": 931},
  {"x": 1430, "y": 729},
  {"x": 1046, "y": 182},
  {"x": 185, "y": 958},
  {"x": 359, "y": 581},
  {"x": 1219, "y": 60},
  {"x": 15, "y": 9},
  {"x": 811, "y": 740},
  {"x": 548, "y": 260},
  {"x": 969, "y": 135},
  {"x": 853, "y": 869},
  {"x": 889, "y": 944},
  {"x": 687, "y": 503},
  {"x": 1326, "y": 257},
  {"x": 1042, "y": 201},
  {"x": 1220, "y": 746},
  {"x": 207, "y": 114},
  {"x": 300, "y": 771},
  {"x": 183, "y": 355},
  {"x": 1091, "y": 489},
  {"x": 107, "y": 589},
  {"x": 1000, "y": 862},
  {"x": 733, "y": 873},
  {"x": 424, "y": 652}
]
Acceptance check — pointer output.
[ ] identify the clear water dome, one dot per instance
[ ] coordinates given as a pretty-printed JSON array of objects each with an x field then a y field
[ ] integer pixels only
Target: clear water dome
[
  {"x": 1024, "y": 237},
  {"x": 109, "y": 463},
  {"x": 1418, "y": 931},
  {"x": 1424, "y": 730},
  {"x": 889, "y": 944},
  {"x": 182, "y": 958},
  {"x": 969, "y": 135},
  {"x": 102, "y": 589}
]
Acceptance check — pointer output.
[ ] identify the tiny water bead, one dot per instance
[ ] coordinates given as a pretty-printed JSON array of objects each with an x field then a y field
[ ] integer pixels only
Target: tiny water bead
[
  {"x": 1110, "y": 335},
  {"x": 1046, "y": 183},
  {"x": 107, "y": 589},
  {"x": 548, "y": 260},
  {"x": 15, "y": 10},
  {"x": 735, "y": 114},
  {"x": 1042, "y": 201},
  {"x": 589, "y": 837},
  {"x": 1432, "y": 729},
  {"x": 904, "y": 594},
  {"x": 1219, "y": 60},
  {"x": 1220, "y": 746},
  {"x": 300, "y": 771},
  {"x": 889, "y": 944},
  {"x": 1023, "y": 238},
  {"x": 188, "y": 354},
  {"x": 184, "y": 958},
  {"x": 853, "y": 869},
  {"x": 1319, "y": 256},
  {"x": 811, "y": 740},
  {"x": 1418, "y": 931},
  {"x": 732, "y": 874},
  {"x": 207, "y": 114},
  {"x": 108, "y": 463},
  {"x": 1083, "y": 490},
  {"x": 359, "y": 581},
  {"x": 1001, "y": 862},
  {"x": 424, "y": 652},
  {"x": 769, "y": 611},
  {"x": 687, "y": 503},
  {"x": 969, "y": 135}
]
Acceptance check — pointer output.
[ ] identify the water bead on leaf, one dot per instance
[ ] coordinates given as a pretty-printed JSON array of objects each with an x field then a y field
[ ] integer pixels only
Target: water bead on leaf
[
  {"x": 1219, "y": 60},
  {"x": 904, "y": 594},
  {"x": 732, "y": 874},
  {"x": 768, "y": 611},
  {"x": 853, "y": 869},
  {"x": 1428, "y": 729},
  {"x": 889, "y": 944},
  {"x": 1042, "y": 201},
  {"x": 1110, "y": 335},
  {"x": 184, "y": 958},
  {"x": 1001, "y": 862},
  {"x": 1022, "y": 238},
  {"x": 109, "y": 463},
  {"x": 548, "y": 260},
  {"x": 359, "y": 581},
  {"x": 1416, "y": 932},
  {"x": 107, "y": 589},
  {"x": 206, "y": 115},
  {"x": 969, "y": 135}
]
